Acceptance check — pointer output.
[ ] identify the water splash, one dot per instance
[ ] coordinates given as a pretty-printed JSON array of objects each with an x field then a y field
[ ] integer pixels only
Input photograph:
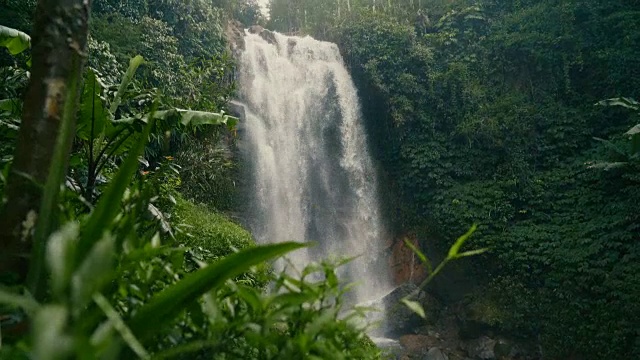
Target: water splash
[{"x": 311, "y": 173}]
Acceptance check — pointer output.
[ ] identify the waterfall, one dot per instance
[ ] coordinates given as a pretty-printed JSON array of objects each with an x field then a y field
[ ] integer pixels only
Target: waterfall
[{"x": 312, "y": 178}]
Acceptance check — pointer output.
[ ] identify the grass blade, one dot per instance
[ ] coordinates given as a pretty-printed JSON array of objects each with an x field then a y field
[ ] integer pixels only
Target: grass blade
[
  {"x": 420, "y": 255},
  {"x": 415, "y": 307},
  {"x": 120, "y": 326},
  {"x": 455, "y": 248}
]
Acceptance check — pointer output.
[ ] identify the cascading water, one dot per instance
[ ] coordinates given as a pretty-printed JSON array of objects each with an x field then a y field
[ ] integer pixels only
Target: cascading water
[{"x": 312, "y": 178}]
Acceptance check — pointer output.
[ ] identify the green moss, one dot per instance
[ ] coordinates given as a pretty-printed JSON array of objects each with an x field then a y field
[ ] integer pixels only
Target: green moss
[
  {"x": 208, "y": 230},
  {"x": 210, "y": 236}
]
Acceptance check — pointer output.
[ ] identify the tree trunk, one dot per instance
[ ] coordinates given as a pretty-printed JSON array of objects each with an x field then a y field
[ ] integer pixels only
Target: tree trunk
[{"x": 44, "y": 141}]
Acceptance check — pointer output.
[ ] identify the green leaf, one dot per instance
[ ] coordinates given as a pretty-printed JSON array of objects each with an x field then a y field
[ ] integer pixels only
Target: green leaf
[
  {"x": 117, "y": 323},
  {"x": 415, "y": 307},
  {"x": 165, "y": 306},
  {"x": 11, "y": 107},
  {"x": 93, "y": 114},
  {"x": 607, "y": 165},
  {"x": 60, "y": 257},
  {"x": 613, "y": 147},
  {"x": 27, "y": 303},
  {"x": 635, "y": 144},
  {"x": 95, "y": 271},
  {"x": 15, "y": 41},
  {"x": 634, "y": 130},
  {"x": 134, "y": 63},
  {"x": 109, "y": 205},
  {"x": 473, "y": 252},
  {"x": 186, "y": 117},
  {"x": 50, "y": 340},
  {"x": 251, "y": 296},
  {"x": 622, "y": 101},
  {"x": 420, "y": 255},
  {"x": 455, "y": 248}
]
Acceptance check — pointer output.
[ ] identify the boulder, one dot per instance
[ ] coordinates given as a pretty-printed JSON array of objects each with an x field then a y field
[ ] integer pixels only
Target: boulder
[
  {"x": 503, "y": 349},
  {"x": 482, "y": 348},
  {"x": 398, "y": 318},
  {"x": 256, "y": 29},
  {"x": 267, "y": 35},
  {"x": 435, "y": 354},
  {"x": 418, "y": 344}
]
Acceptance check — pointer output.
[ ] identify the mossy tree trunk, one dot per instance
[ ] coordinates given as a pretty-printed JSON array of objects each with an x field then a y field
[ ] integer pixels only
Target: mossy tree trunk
[{"x": 48, "y": 121}]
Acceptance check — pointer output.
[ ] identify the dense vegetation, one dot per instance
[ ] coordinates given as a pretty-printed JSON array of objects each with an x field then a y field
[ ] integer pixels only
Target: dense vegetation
[
  {"x": 135, "y": 257},
  {"x": 486, "y": 111},
  {"x": 483, "y": 111}
]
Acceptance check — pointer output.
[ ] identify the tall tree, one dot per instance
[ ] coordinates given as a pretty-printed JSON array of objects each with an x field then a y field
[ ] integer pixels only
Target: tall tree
[{"x": 44, "y": 141}]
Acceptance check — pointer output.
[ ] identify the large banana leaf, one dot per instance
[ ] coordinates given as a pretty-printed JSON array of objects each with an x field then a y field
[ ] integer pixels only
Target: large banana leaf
[
  {"x": 134, "y": 63},
  {"x": 15, "y": 41},
  {"x": 187, "y": 118},
  {"x": 93, "y": 119}
]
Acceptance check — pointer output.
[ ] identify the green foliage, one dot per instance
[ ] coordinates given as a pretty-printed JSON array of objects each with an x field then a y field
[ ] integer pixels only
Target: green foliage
[
  {"x": 13, "y": 40},
  {"x": 487, "y": 117},
  {"x": 113, "y": 289},
  {"x": 209, "y": 175},
  {"x": 135, "y": 270},
  {"x": 208, "y": 231},
  {"x": 185, "y": 54},
  {"x": 104, "y": 138},
  {"x": 17, "y": 14}
]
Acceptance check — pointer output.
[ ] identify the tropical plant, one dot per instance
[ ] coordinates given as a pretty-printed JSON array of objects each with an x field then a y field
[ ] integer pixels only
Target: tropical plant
[
  {"x": 622, "y": 156},
  {"x": 106, "y": 137}
]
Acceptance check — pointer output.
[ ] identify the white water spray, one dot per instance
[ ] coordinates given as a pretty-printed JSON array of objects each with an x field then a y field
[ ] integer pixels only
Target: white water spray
[{"x": 312, "y": 176}]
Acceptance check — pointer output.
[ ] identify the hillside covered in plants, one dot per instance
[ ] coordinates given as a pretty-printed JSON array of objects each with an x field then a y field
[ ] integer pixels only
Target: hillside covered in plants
[
  {"x": 521, "y": 116},
  {"x": 119, "y": 234},
  {"x": 121, "y": 230}
]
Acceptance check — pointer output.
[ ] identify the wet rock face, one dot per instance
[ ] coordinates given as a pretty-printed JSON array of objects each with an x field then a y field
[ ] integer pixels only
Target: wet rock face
[
  {"x": 399, "y": 318},
  {"x": 267, "y": 35},
  {"x": 405, "y": 265},
  {"x": 235, "y": 36}
]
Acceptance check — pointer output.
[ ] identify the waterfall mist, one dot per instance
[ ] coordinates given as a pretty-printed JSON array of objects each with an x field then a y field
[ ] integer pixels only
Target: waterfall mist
[{"x": 311, "y": 175}]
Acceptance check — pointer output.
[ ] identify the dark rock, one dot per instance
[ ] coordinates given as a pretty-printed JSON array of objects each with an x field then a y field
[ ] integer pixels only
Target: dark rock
[
  {"x": 418, "y": 344},
  {"x": 473, "y": 329},
  {"x": 435, "y": 354},
  {"x": 503, "y": 348},
  {"x": 291, "y": 44},
  {"x": 398, "y": 312},
  {"x": 482, "y": 348},
  {"x": 267, "y": 35},
  {"x": 399, "y": 319},
  {"x": 237, "y": 109},
  {"x": 256, "y": 29},
  {"x": 234, "y": 33}
]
